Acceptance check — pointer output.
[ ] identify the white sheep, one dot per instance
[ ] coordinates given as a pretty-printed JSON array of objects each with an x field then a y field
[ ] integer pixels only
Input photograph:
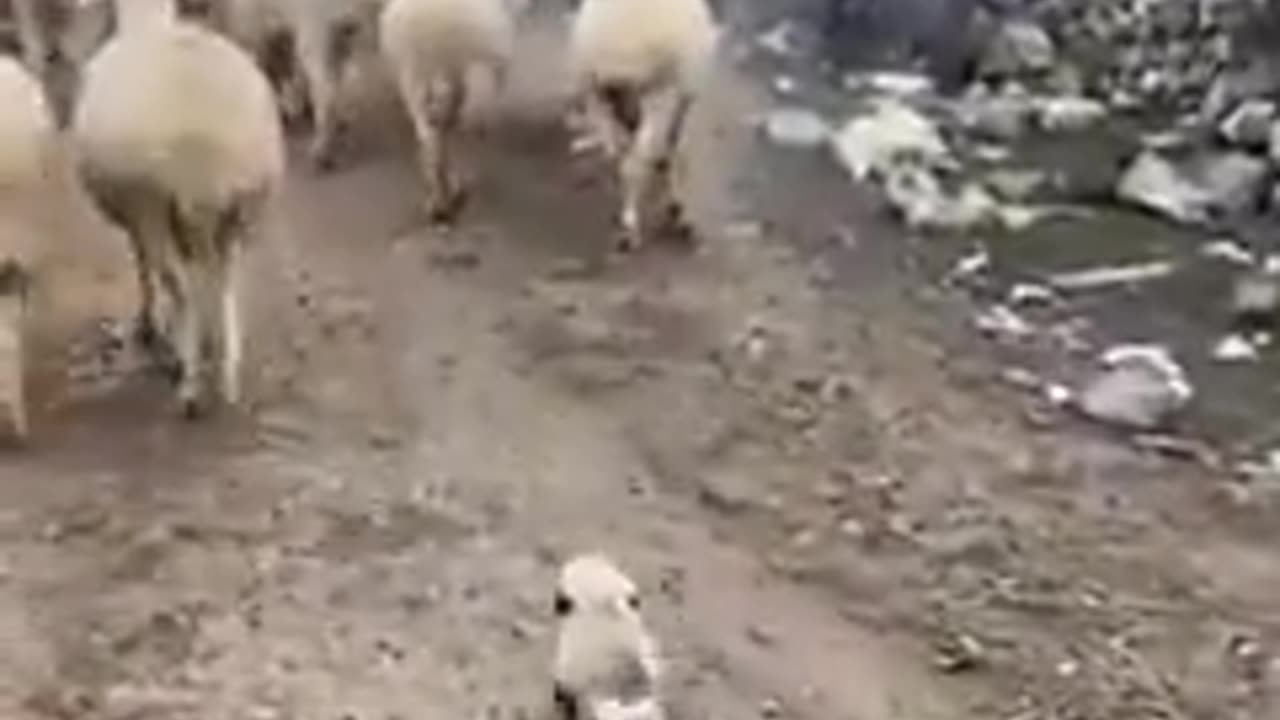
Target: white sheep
[
  {"x": 307, "y": 48},
  {"x": 637, "y": 66},
  {"x": 180, "y": 144},
  {"x": 430, "y": 47},
  {"x": 27, "y": 152},
  {"x": 55, "y": 38},
  {"x": 607, "y": 665}
]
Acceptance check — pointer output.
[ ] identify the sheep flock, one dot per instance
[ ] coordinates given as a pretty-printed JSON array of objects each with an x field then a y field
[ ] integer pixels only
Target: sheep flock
[{"x": 173, "y": 116}]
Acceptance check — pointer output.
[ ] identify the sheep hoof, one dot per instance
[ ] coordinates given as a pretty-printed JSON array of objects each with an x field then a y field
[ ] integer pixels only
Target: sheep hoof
[
  {"x": 676, "y": 225},
  {"x": 192, "y": 409},
  {"x": 565, "y": 703},
  {"x": 323, "y": 157},
  {"x": 145, "y": 333},
  {"x": 444, "y": 210},
  {"x": 627, "y": 242},
  {"x": 170, "y": 368}
]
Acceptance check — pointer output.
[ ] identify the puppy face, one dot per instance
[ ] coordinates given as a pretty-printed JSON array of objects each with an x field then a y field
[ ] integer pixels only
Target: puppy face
[{"x": 592, "y": 583}]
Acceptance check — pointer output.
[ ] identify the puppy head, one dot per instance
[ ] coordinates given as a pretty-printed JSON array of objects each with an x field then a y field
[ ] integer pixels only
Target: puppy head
[{"x": 592, "y": 583}]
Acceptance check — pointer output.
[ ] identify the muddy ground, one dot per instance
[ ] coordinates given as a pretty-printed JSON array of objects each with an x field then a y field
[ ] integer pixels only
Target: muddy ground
[{"x": 836, "y": 509}]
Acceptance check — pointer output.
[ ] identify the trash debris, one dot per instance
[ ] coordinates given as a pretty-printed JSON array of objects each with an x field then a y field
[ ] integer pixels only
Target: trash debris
[
  {"x": 1093, "y": 278},
  {"x": 976, "y": 261},
  {"x": 1031, "y": 294},
  {"x": 922, "y": 202},
  {"x": 1141, "y": 387},
  {"x": 785, "y": 85},
  {"x": 779, "y": 40},
  {"x": 795, "y": 127},
  {"x": 901, "y": 84},
  {"x": 999, "y": 321},
  {"x": 1014, "y": 185},
  {"x": 1068, "y": 113},
  {"x": 1229, "y": 251},
  {"x": 891, "y": 134}
]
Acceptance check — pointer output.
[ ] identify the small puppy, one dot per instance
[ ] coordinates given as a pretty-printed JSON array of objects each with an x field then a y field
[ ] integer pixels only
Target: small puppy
[{"x": 607, "y": 665}]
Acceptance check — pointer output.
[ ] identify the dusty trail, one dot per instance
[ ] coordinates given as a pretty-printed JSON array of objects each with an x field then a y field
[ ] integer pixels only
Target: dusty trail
[{"x": 811, "y": 485}]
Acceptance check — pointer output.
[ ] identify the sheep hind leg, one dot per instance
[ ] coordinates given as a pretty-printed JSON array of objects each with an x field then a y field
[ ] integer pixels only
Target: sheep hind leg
[
  {"x": 232, "y": 341},
  {"x": 647, "y": 167},
  {"x": 673, "y": 214},
  {"x": 312, "y": 46},
  {"x": 31, "y": 36},
  {"x": 566, "y": 703},
  {"x": 447, "y": 109},
  {"x": 146, "y": 239},
  {"x": 430, "y": 112}
]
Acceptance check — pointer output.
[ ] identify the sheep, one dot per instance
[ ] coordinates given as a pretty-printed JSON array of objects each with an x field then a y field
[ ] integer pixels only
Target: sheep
[
  {"x": 316, "y": 38},
  {"x": 636, "y": 68},
  {"x": 430, "y": 46},
  {"x": 28, "y": 143},
  {"x": 179, "y": 143},
  {"x": 55, "y": 39},
  {"x": 607, "y": 665}
]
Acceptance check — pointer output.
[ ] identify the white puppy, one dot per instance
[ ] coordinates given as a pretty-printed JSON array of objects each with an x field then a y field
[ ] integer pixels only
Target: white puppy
[{"x": 607, "y": 665}]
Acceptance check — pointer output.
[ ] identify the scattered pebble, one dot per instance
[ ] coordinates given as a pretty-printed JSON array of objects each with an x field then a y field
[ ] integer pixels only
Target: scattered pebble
[
  {"x": 1235, "y": 349},
  {"x": 795, "y": 127}
]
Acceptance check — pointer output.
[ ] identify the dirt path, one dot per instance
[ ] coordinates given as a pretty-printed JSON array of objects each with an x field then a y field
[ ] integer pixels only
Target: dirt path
[{"x": 822, "y": 495}]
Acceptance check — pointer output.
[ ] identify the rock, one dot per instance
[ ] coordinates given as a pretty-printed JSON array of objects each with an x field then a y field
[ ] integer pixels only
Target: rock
[
  {"x": 795, "y": 127},
  {"x": 1155, "y": 184},
  {"x": 1002, "y": 118},
  {"x": 1249, "y": 125},
  {"x": 1273, "y": 143},
  {"x": 1019, "y": 46},
  {"x": 1255, "y": 300},
  {"x": 1235, "y": 348},
  {"x": 1069, "y": 113},
  {"x": 1229, "y": 183},
  {"x": 1031, "y": 294},
  {"x": 1014, "y": 184},
  {"x": 1141, "y": 388},
  {"x": 1234, "y": 181},
  {"x": 891, "y": 134},
  {"x": 890, "y": 83}
]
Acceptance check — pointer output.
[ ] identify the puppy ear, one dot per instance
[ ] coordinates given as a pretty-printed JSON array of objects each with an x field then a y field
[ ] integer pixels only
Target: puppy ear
[{"x": 563, "y": 604}]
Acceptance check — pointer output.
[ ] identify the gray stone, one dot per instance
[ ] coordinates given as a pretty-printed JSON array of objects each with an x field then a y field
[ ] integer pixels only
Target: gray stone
[
  {"x": 1193, "y": 190},
  {"x": 1234, "y": 181},
  {"x": 1255, "y": 299},
  {"x": 1249, "y": 125},
  {"x": 1141, "y": 388},
  {"x": 1002, "y": 118},
  {"x": 1069, "y": 113},
  {"x": 796, "y": 127},
  {"x": 1019, "y": 46}
]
